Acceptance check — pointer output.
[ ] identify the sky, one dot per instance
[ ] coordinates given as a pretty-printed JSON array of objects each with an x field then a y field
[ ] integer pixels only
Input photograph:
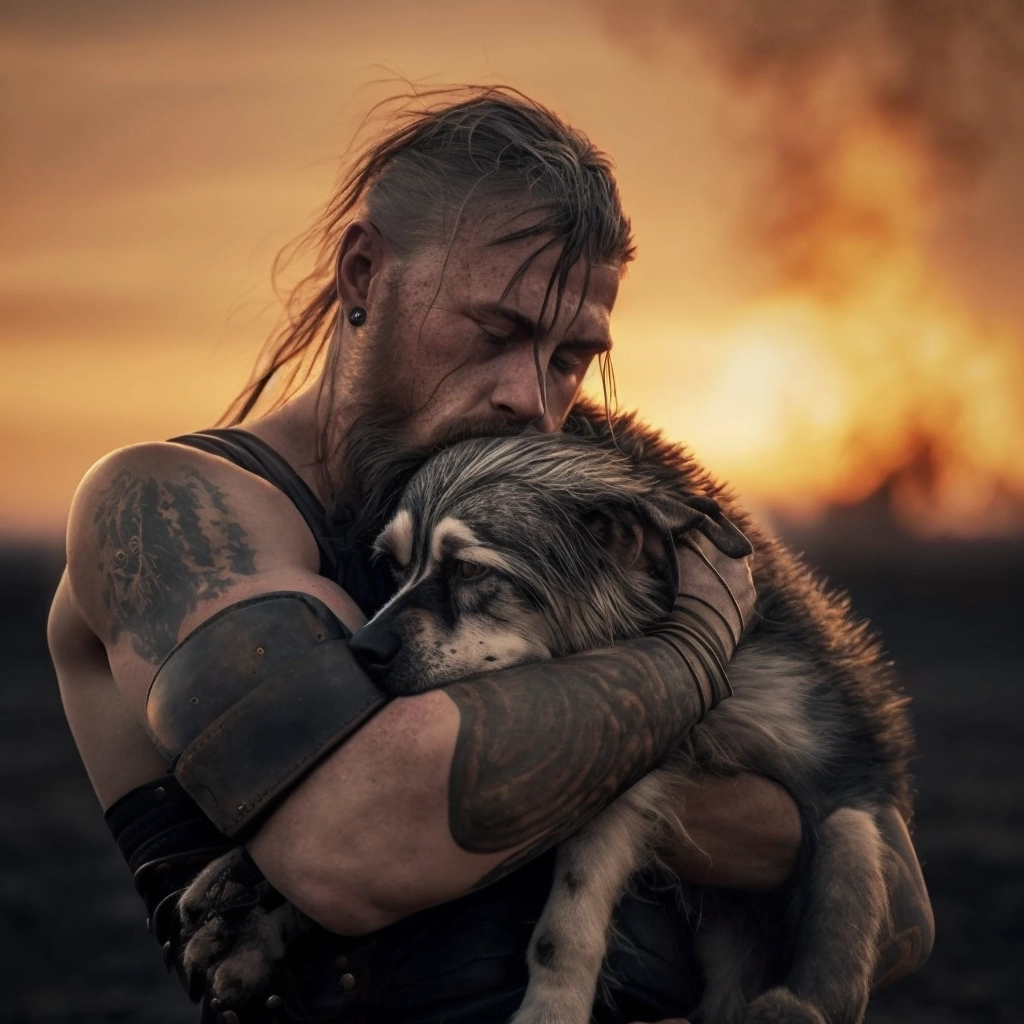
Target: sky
[{"x": 826, "y": 299}]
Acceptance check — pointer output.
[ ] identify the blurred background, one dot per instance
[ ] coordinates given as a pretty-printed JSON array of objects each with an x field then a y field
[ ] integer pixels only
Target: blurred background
[{"x": 827, "y": 307}]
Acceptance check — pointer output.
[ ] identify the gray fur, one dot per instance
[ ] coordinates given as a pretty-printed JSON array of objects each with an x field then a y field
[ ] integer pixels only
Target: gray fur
[{"x": 571, "y": 531}]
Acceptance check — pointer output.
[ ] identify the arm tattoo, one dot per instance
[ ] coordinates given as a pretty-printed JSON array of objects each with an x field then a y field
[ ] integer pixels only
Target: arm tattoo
[
  {"x": 164, "y": 548},
  {"x": 543, "y": 747},
  {"x": 906, "y": 944}
]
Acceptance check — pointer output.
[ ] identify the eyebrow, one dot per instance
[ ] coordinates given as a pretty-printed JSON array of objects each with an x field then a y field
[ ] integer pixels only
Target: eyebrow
[{"x": 528, "y": 326}]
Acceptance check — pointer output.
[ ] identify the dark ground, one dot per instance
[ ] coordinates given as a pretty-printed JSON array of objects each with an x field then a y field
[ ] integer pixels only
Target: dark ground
[{"x": 74, "y": 943}]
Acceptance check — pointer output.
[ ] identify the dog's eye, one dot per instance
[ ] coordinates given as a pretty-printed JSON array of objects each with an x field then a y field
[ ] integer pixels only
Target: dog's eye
[{"x": 469, "y": 570}]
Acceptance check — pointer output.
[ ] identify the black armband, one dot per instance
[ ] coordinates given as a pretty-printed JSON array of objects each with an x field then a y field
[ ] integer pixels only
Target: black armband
[
  {"x": 253, "y": 699},
  {"x": 166, "y": 841}
]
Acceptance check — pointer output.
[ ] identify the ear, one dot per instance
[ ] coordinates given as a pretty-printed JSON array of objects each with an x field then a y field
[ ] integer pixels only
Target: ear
[
  {"x": 637, "y": 537},
  {"x": 362, "y": 255}
]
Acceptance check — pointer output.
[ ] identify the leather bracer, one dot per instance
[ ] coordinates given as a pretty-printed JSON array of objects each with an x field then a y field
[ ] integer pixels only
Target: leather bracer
[{"x": 253, "y": 699}]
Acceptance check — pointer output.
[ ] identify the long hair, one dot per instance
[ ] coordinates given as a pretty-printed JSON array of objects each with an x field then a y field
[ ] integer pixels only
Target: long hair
[{"x": 439, "y": 155}]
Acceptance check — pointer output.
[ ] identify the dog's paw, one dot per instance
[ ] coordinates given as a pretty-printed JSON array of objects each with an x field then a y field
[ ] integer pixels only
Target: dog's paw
[
  {"x": 780, "y": 1006},
  {"x": 250, "y": 970},
  {"x": 235, "y": 929}
]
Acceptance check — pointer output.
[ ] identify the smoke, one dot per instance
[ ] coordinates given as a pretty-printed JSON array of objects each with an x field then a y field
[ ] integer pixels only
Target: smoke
[
  {"x": 882, "y": 156},
  {"x": 941, "y": 80}
]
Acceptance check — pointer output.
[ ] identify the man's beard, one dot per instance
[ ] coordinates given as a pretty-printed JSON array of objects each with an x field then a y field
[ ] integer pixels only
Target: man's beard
[
  {"x": 377, "y": 464},
  {"x": 371, "y": 462}
]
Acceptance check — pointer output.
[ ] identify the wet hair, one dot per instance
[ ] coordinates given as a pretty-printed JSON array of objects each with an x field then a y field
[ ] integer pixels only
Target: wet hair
[{"x": 442, "y": 156}]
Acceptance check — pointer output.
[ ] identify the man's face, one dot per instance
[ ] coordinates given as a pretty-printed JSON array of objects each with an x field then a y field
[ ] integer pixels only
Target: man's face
[{"x": 451, "y": 353}]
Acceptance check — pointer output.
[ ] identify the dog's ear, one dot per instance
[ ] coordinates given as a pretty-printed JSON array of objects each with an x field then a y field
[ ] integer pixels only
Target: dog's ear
[{"x": 637, "y": 537}]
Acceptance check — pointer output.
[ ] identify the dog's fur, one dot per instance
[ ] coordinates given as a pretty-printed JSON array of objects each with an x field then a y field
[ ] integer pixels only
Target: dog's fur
[{"x": 517, "y": 549}]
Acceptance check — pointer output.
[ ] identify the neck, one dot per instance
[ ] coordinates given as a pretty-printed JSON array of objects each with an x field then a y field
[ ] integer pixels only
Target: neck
[
  {"x": 365, "y": 464},
  {"x": 293, "y": 431}
]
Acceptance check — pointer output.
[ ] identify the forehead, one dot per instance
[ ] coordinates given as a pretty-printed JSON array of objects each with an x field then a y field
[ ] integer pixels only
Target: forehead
[{"x": 480, "y": 272}]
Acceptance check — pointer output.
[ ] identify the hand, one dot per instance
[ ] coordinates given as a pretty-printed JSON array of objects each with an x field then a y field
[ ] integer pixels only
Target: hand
[
  {"x": 714, "y": 598},
  {"x": 719, "y": 581}
]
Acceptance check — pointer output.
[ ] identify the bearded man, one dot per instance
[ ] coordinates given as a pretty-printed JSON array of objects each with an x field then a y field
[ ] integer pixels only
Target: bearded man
[{"x": 469, "y": 265}]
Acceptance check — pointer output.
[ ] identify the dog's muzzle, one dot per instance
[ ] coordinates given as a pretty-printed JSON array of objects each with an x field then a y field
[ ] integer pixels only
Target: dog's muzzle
[{"x": 376, "y": 646}]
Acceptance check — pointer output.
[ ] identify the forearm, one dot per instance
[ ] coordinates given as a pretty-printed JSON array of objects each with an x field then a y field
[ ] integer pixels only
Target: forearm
[
  {"x": 740, "y": 833},
  {"x": 452, "y": 788},
  {"x": 364, "y": 839}
]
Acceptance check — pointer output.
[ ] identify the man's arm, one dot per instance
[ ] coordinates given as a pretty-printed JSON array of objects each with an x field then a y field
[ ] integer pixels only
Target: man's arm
[
  {"x": 164, "y": 538},
  {"x": 744, "y": 833}
]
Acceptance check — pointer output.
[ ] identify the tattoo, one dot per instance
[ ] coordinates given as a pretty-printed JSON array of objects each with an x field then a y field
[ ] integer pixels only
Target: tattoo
[
  {"x": 164, "y": 548},
  {"x": 908, "y": 942},
  {"x": 536, "y": 757}
]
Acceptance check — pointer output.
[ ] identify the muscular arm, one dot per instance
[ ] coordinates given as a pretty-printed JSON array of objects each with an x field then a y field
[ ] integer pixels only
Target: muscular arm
[
  {"x": 478, "y": 777},
  {"x": 446, "y": 787}
]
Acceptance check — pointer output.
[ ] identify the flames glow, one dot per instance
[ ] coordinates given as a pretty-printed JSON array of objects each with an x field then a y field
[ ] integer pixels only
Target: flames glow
[{"x": 861, "y": 369}]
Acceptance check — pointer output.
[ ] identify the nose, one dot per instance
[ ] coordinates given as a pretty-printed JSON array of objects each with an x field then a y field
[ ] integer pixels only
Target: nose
[
  {"x": 376, "y": 646},
  {"x": 519, "y": 393}
]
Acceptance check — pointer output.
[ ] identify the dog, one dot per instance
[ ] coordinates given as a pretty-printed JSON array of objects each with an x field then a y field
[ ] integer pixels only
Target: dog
[{"x": 511, "y": 550}]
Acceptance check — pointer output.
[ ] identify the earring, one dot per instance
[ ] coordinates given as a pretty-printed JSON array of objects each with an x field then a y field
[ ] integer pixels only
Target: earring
[{"x": 357, "y": 316}]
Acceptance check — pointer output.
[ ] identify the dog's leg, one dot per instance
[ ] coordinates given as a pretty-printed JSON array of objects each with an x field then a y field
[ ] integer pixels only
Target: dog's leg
[
  {"x": 569, "y": 943},
  {"x": 845, "y": 907}
]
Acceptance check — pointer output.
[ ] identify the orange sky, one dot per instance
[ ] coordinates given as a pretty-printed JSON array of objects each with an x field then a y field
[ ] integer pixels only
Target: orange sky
[{"x": 156, "y": 156}]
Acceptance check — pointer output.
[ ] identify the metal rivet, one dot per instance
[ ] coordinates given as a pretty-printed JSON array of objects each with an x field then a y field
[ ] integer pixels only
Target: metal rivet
[
  {"x": 166, "y": 950},
  {"x": 240, "y": 808},
  {"x": 273, "y": 1002},
  {"x": 215, "y": 1003},
  {"x": 259, "y": 650},
  {"x": 159, "y": 793},
  {"x": 319, "y": 636},
  {"x": 342, "y": 961},
  {"x": 348, "y": 982},
  {"x": 193, "y": 700},
  {"x": 149, "y": 922}
]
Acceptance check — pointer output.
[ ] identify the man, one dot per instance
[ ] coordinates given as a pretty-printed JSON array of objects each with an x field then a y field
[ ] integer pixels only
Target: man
[{"x": 469, "y": 266}]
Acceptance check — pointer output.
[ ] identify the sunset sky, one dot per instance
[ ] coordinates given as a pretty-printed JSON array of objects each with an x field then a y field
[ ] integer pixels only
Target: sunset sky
[{"x": 827, "y": 292}]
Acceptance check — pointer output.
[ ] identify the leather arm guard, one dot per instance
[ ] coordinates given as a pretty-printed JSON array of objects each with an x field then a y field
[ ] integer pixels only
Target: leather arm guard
[{"x": 253, "y": 699}]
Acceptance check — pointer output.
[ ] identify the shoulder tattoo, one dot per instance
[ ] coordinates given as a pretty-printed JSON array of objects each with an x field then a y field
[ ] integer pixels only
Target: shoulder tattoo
[{"x": 163, "y": 549}]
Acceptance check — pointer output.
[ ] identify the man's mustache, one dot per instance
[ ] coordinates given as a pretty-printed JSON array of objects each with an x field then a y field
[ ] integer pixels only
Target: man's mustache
[{"x": 478, "y": 426}]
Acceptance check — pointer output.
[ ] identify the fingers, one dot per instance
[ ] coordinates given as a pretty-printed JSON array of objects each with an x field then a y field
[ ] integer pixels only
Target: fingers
[{"x": 714, "y": 578}]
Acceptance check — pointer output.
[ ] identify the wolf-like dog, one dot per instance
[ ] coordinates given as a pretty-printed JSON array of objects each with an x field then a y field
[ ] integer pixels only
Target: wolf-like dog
[{"x": 510, "y": 550}]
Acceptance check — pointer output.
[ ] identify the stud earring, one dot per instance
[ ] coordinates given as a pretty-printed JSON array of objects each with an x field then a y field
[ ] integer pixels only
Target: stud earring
[{"x": 357, "y": 316}]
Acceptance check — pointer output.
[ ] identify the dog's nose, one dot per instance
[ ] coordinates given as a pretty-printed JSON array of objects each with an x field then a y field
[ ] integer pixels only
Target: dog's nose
[{"x": 376, "y": 645}]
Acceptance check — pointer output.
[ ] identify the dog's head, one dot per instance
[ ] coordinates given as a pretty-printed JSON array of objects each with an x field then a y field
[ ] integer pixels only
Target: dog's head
[{"x": 508, "y": 550}]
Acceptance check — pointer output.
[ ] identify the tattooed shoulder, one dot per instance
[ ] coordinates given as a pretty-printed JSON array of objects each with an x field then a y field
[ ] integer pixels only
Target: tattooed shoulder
[{"x": 163, "y": 547}]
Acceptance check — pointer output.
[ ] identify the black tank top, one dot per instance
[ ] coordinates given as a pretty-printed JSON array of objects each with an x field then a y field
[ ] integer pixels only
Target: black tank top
[{"x": 463, "y": 962}]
